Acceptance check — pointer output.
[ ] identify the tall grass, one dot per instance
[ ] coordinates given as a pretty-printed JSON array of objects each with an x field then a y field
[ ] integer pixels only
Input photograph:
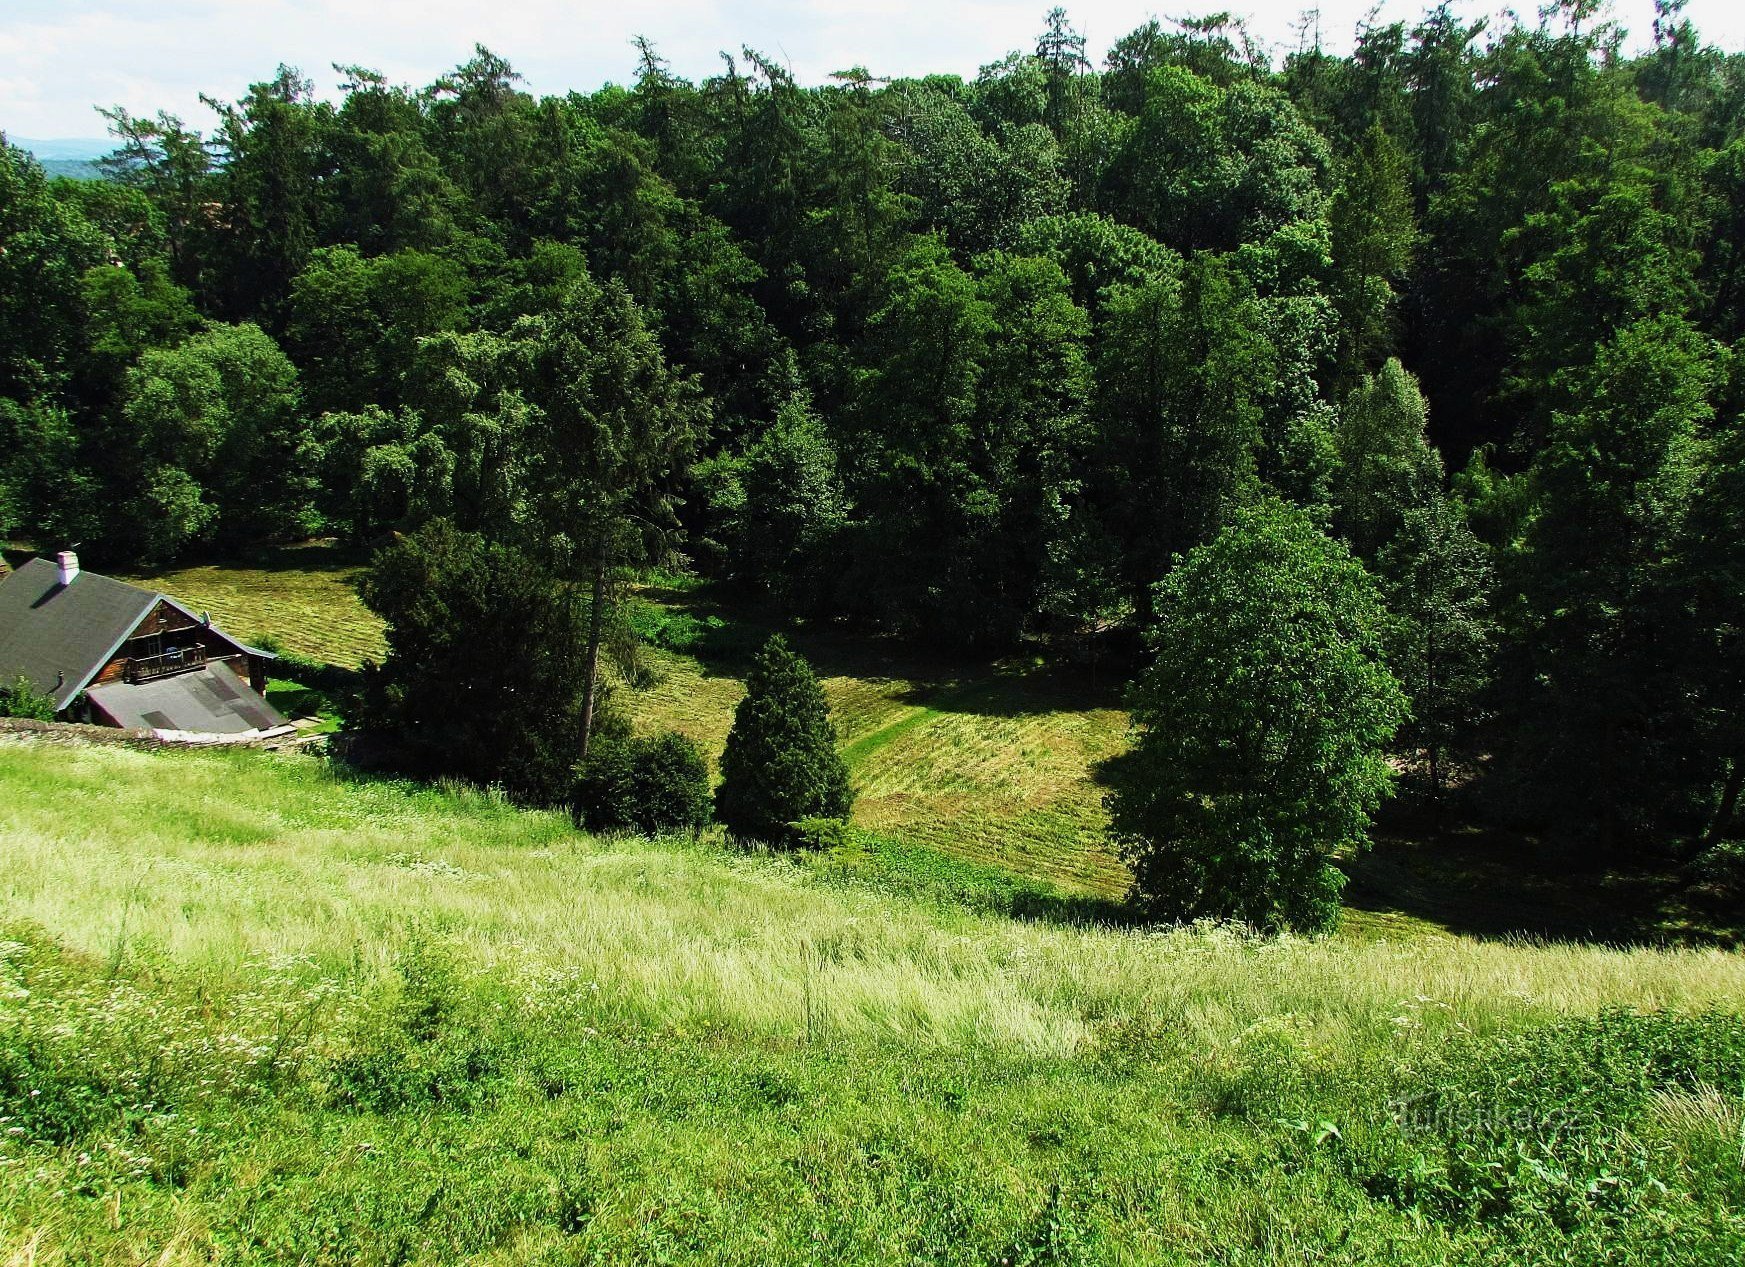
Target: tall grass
[
  {"x": 252, "y": 1011},
  {"x": 211, "y": 862}
]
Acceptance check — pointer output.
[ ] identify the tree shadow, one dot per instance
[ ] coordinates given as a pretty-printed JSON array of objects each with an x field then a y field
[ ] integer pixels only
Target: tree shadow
[
  {"x": 1075, "y": 910},
  {"x": 1494, "y": 883},
  {"x": 322, "y": 555},
  {"x": 1022, "y": 683}
]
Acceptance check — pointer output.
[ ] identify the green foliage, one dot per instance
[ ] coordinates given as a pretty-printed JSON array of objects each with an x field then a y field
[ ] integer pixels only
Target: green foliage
[
  {"x": 46, "y": 247},
  {"x": 780, "y": 765},
  {"x": 45, "y": 487},
  {"x": 22, "y": 699},
  {"x": 1372, "y": 234},
  {"x": 1573, "y": 1131},
  {"x": 670, "y": 629},
  {"x": 1183, "y": 370},
  {"x": 792, "y": 511},
  {"x": 484, "y": 675},
  {"x": 1261, "y": 724},
  {"x": 1434, "y": 575},
  {"x": 650, "y": 785},
  {"x": 354, "y": 324},
  {"x": 1601, "y": 722},
  {"x": 1208, "y": 167},
  {"x": 214, "y": 426}
]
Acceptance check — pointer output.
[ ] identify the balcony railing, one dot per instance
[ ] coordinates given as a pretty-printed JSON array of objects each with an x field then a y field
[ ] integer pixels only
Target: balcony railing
[{"x": 149, "y": 668}]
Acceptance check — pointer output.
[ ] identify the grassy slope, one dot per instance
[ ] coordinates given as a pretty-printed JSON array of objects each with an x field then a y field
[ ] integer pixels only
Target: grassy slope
[
  {"x": 301, "y": 595},
  {"x": 996, "y": 769},
  {"x": 252, "y": 1011}
]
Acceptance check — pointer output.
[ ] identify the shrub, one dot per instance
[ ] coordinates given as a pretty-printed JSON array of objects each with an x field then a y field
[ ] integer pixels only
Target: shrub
[
  {"x": 679, "y": 631},
  {"x": 780, "y": 764},
  {"x": 22, "y": 699},
  {"x": 647, "y": 785}
]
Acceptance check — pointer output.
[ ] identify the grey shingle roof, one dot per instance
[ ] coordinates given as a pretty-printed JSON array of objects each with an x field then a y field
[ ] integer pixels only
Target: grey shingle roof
[
  {"x": 59, "y": 636},
  {"x": 210, "y": 701}
]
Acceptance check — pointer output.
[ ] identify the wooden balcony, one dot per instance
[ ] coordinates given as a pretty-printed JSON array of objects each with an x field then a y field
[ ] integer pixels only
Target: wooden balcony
[{"x": 168, "y": 664}]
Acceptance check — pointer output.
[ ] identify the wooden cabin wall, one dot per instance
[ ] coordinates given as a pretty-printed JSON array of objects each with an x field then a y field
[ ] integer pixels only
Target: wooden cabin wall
[{"x": 166, "y": 618}]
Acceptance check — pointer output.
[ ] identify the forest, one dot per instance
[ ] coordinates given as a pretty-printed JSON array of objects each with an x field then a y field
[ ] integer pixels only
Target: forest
[{"x": 1446, "y": 331}]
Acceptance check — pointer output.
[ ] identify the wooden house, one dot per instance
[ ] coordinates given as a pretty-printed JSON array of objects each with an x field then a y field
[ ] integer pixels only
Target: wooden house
[{"x": 119, "y": 655}]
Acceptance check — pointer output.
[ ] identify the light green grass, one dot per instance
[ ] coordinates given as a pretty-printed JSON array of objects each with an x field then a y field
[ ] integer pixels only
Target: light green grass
[
  {"x": 216, "y": 862},
  {"x": 252, "y": 1012},
  {"x": 997, "y": 768}
]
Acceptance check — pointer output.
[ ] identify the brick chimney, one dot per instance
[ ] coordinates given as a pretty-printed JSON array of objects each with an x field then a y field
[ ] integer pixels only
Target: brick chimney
[{"x": 66, "y": 567}]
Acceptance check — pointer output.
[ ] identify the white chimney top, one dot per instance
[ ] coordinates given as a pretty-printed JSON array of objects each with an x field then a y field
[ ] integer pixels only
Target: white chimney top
[{"x": 66, "y": 567}]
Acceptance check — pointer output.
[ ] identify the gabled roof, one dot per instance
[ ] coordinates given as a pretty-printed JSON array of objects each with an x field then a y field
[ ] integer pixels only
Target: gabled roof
[
  {"x": 61, "y": 636},
  {"x": 209, "y": 701}
]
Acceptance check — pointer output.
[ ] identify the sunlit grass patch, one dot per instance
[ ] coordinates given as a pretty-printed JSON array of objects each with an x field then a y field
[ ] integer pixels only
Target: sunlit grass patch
[
  {"x": 252, "y": 1009},
  {"x": 304, "y": 597}
]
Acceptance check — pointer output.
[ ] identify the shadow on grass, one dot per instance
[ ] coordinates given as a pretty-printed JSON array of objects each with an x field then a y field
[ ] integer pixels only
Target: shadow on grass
[
  {"x": 303, "y": 556},
  {"x": 1498, "y": 884},
  {"x": 731, "y": 626},
  {"x": 898, "y": 867}
]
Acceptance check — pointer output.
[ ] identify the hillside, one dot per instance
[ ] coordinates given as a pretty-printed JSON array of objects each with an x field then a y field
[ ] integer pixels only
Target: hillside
[
  {"x": 997, "y": 767},
  {"x": 994, "y": 766},
  {"x": 249, "y": 1009}
]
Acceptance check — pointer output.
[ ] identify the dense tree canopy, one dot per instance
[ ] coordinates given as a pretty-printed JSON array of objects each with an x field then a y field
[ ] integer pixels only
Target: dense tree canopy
[
  {"x": 970, "y": 360},
  {"x": 485, "y": 675}
]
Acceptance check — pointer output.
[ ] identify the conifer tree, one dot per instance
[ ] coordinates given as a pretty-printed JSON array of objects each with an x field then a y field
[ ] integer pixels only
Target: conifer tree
[{"x": 781, "y": 764}]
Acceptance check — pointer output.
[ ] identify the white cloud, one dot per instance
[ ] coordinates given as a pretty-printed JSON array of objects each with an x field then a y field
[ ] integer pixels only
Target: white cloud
[{"x": 64, "y": 56}]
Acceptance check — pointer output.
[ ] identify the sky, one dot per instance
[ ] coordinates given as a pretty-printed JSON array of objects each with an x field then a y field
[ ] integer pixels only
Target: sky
[{"x": 60, "y": 58}]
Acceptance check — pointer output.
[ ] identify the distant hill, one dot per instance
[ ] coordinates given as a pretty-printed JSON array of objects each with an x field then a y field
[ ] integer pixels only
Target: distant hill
[
  {"x": 72, "y": 168},
  {"x": 65, "y": 149}
]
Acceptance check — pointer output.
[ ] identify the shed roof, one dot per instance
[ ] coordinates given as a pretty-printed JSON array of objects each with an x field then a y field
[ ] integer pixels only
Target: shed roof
[
  {"x": 208, "y": 701},
  {"x": 60, "y": 636}
]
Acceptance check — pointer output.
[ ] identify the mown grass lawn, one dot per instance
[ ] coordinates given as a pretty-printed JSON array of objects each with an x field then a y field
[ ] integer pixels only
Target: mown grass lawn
[
  {"x": 254, "y": 1011},
  {"x": 302, "y": 596}
]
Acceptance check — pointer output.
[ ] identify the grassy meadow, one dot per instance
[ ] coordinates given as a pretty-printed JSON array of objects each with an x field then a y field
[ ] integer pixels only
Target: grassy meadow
[
  {"x": 251, "y": 1009},
  {"x": 996, "y": 768}
]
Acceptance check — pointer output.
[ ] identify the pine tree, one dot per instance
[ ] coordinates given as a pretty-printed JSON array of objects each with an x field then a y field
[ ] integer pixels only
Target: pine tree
[{"x": 781, "y": 764}]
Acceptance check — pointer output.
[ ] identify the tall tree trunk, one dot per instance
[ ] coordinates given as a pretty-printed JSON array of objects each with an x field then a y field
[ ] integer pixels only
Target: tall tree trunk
[
  {"x": 596, "y": 616},
  {"x": 1729, "y": 805}
]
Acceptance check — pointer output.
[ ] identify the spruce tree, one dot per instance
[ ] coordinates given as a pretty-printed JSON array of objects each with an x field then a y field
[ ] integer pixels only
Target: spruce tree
[{"x": 781, "y": 764}]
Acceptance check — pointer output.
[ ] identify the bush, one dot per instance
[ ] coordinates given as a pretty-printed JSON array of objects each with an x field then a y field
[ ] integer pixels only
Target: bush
[
  {"x": 679, "y": 631},
  {"x": 22, "y": 699},
  {"x": 318, "y": 675},
  {"x": 646, "y": 785},
  {"x": 781, "y": 765}
]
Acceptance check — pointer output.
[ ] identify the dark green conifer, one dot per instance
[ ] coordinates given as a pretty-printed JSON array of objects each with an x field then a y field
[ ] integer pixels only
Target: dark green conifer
[{"x": 781, "y": 764}]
